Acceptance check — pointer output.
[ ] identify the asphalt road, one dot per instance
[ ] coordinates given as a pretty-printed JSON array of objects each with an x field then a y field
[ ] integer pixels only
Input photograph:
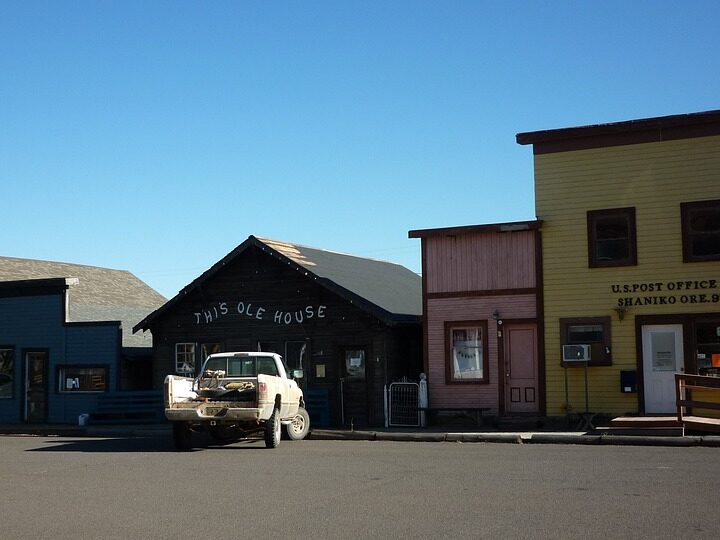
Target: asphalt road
[{"x": 63, "y": 488}]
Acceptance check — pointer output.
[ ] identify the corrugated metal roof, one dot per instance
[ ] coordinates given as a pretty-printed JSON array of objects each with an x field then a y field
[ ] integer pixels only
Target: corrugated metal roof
[{"x": 101, "y": 294}]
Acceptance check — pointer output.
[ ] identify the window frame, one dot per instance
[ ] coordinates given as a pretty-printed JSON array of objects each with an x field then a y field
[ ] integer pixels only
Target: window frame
[
  {"x": 194, "y": 352},
  {"x": 11, "y": 372},
  {"x": 686, "y": 210},
  {"x": 606, "y": 342},
  {"x": 61, "y": 378},
  {"x": 593, "y": 216},
  {"x": 482, "y": 324},
  {"x": 355, "y": 373}
]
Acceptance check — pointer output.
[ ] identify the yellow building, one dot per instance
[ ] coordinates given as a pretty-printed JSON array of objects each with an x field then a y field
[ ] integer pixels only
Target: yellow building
[{"x": 631, "y": 260}]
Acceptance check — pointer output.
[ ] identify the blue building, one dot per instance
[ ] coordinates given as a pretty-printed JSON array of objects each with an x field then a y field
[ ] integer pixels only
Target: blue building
[{"x": 65, "y": 338}]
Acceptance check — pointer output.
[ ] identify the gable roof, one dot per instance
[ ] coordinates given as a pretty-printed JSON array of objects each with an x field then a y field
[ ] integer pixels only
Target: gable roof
[
  {"x": 100, "y": 294},
  {"x": 387, "y": 290}
]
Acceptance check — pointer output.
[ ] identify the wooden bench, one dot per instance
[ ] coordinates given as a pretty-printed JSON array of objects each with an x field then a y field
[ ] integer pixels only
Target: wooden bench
[
  {"x": 684, "y": 387},
  {"x": 473, "y": 413}
]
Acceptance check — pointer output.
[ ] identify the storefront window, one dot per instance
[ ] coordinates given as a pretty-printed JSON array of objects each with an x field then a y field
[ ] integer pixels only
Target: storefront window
[
  {"x": 701, "y": 231},
  {"x": 185, "y": 358},
  {"x": 593, "y": 331},
  {"x": 7, "y": 371},
  {"x": 707, "y": 338},
  {"x": 73, "y": 379},
  {"x": 467, "y": 352},
  {"x": 611, "y": 237}
]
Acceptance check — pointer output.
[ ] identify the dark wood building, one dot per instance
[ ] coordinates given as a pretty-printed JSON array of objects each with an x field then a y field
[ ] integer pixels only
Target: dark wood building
[{"x": 351, "y": 324}]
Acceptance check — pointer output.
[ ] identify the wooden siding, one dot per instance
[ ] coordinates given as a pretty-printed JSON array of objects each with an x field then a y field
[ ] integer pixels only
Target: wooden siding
[
  {"x": 654, "y": 178},
  {"x": 458, "y": 309},
  {"x": 255, "y": 278},
  {"x": 38, "y": 323},
  {"x": 480, "y": 262}
]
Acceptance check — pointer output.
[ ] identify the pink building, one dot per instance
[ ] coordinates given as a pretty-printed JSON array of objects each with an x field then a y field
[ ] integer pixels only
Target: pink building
[{"x": 482, "y": 302}]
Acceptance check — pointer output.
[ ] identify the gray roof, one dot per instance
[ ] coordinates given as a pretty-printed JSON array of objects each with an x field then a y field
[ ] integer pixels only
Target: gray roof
[
  {"x": 101, "y": 294},
  {"x": 388, "y": 290},
  {"x": 389, "y": 286}
]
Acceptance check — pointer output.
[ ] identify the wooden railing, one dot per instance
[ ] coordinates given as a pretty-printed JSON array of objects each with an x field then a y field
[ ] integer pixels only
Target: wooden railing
[{"x": 687, "y": 388}]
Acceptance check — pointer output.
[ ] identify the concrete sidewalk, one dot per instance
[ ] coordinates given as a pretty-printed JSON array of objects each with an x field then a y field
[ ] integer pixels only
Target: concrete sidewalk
[{"x": 408, "y": 435}]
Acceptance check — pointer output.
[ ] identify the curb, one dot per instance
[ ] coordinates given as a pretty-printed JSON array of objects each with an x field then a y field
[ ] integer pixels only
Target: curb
[
  {"x": 514, "y": 438},
  {"x": 329, "y": 435},
  {"x": 162, "y": 430},
  {"x": 630, "y": 440},
  {"x": 563, "y": 438}
]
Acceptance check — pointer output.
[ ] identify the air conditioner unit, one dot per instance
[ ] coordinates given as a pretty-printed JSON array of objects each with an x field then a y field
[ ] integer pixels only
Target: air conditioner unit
[{"x": 576, "y": 353}]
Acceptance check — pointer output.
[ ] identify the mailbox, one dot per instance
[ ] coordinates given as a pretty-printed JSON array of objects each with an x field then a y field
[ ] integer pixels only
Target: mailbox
[{"x": 628, "y": 381}]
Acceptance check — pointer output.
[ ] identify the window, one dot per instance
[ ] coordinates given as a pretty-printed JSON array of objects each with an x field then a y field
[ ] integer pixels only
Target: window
[
  {"x": 268, "y": 346},
  {"x": 7, "y": 371},
  {"x": 466, "y": 352},
  {"x": 243, "y": 366},
  {"x": 185, "y": 358},
  {"x": 707, "y": 344},
  {"x": 206, "y": 349},
  {"x": 593, "y": 331},
  {"x": 611, "y": 237},
  {"x": 701, "y": 231},
  {"x": 355, "y": 364},
  {"x": 296, "y": 353},
  {"x": 75, "y": 379}
]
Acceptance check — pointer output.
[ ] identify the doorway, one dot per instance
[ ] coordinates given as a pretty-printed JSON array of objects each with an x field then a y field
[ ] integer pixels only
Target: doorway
[
  {"x": 36, "y": 388},
  {"x": 521, "y": 369},
  {"x": 663, "y": 356},
  {"x": 353, "y": 389}
]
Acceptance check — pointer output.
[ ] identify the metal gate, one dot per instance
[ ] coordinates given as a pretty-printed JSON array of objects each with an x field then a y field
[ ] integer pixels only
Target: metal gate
[{"x": 403, "y": 404}]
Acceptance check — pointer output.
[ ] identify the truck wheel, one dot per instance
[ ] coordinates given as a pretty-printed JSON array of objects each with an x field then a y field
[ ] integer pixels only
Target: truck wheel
[
  {"x": 299, "y": 427},
  {"x": 272, "y": 430},
  {"x": 182, "y": 436}
]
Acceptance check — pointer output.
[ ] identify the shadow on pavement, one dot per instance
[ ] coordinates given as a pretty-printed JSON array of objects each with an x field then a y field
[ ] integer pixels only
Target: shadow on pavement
[{"x": 133, "y": 444}]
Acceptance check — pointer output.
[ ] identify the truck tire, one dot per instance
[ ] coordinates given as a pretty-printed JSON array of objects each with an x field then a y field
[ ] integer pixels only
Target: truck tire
[
  {"x": 299, "y": 427},
  {"x": 182, "y": 436},
  {"x": 272, "y": 430}
]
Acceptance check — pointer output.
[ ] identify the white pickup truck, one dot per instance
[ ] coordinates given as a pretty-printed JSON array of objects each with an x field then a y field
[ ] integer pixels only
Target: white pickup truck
[{"x": 235, "y": 396}]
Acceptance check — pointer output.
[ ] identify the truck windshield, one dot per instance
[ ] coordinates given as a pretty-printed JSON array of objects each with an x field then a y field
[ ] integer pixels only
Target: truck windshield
[{"x": 243, "y": 366}]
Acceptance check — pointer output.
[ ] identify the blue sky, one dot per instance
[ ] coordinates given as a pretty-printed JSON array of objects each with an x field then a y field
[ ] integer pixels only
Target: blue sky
[{"x": 157, "y": 136}]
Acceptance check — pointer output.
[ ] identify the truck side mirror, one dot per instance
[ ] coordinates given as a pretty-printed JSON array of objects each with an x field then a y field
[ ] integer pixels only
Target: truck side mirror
[{"x": 298, "y": 374}]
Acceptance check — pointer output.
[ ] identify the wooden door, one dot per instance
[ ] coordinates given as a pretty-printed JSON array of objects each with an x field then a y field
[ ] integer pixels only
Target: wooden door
[
  {"x": 36, "y": 390},
  {"x": 353, "y": 386},
  {"x": 521, "y": 369}
]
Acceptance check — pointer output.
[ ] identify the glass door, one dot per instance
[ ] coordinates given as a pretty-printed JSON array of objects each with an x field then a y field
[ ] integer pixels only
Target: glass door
[{"x": 662, "y": 358}]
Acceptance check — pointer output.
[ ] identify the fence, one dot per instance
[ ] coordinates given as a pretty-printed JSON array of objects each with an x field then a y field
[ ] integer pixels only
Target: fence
[
  {"x": 402, "y": 400},
  {"x": 701, "y": 396}
]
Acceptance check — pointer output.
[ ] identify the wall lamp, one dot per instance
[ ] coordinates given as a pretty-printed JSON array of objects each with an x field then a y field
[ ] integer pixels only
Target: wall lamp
[
  {"x": 498, "y": 321},
  {"x": 620, "y": 309}
]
